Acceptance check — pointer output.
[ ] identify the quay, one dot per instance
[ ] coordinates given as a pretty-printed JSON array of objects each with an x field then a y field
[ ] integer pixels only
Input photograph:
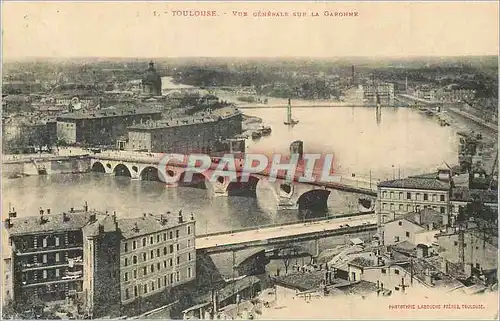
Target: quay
[
  {"x": 474, "y": 118},
  {"x": 284, "y": 234}
]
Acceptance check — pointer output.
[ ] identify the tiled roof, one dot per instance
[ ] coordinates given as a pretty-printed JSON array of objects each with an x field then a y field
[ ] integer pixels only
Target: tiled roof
[
  {"x": 52, "y": 223},
  {"x": 147, "y": 224},
  {"x": 464, "y": 194},
  {"x": 363, "y": 262},
  {"x": 359, "y": 288},
  {"x": 301, "y": 281},
  {"x": 417, "y": 183},
  {"x": 115, "y": 111},
  {"x": 200, "y": 118}
]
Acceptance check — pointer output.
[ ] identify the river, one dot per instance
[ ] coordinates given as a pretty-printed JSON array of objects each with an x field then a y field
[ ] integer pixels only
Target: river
[{"x": 396, "y": 142}]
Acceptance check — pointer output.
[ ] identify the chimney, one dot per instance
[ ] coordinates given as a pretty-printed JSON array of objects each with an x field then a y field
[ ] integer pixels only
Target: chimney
[
  {"x": 92, "y": 217},
  {"x": 181, "y": 219},
  {"x": 136, "y": 228},
  {"x": 144, "y": 214},
  {"x": 65, "y": 217},
  {"x": 422, "y": 251},
  {"x": 418, "y": 217},
  {"x": 7, "y": 223},
  {"x": 428, "y": 277},
  {"x": 48, "y": 211},
  {"x": 72, "y": 210},
  {"x": 86, "y": 207},
  {"x": 192, "y": 217}
]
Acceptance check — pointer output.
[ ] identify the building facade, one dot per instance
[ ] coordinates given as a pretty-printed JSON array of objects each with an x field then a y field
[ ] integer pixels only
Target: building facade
[
  {"x": 98, "y": 261},
  {"x": 104, "y": 126},
  {"x": 416, "y": 228},
  {"x": 201, "y": 133},
  {"x": 382, "y": 93}
]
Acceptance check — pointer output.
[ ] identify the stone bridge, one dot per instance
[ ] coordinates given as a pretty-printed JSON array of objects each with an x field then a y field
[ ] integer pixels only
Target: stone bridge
[{"x": 289, "y": 195}]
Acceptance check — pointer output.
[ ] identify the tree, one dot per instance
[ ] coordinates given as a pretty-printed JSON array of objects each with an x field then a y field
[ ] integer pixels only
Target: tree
[{"x": 9, "y": 311}]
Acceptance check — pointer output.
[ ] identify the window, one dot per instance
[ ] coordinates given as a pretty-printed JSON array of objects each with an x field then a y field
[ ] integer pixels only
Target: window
[
  {"x": 171, "y": 278},
  {"x": 44, "y": 242},
  {"x": 171, "y": 248},
  {"x": 407, "y": 234},
  {"x": 426, "y": 197},
  {"x": 164, "y": 236},
  {"x": 144, "y": 271},
  {"x": 125, "y": 262},
  {"x": 126, "y": 294},
  {"x": 136, "y": 292},
  {"x": 392, "y": 206},
  {"x": 441, "y": 198},
  {"x": 151, "y": 240},
  {"x": 177, "y": 233},
  {"x": 158, "y": 238},
  {"x": 144, "y": 242},
  {"x": 442, "y": 209},
  {"x": 384, "y": 206},
  {"x": 165, "y": 250},
  {"x": 392, "y": 195},
  {"x": 171, "y": 235},
  {"x": 178, "y": 247},
  {"x": 401, "y": 207},
  {"x": 134, "y": 259},
  {"x": 177, "y": 276},
  {"x": 170, "y": 262},
  {"x": 134, "y": 245},
  {"x": 152, "y": 286},
  {"x": 159, "y": 282},
  {"x": 418, "y": 197},
  {"x": 158, "y": 266},
  {"x": 126, "y": 276},
  {"x": 400, "y": 223},
  {"x": 178, "y": 260},
  {"x": 400, "y": 195},
  {"x": 455, "y": 243},
  {"x": 383, "y": 271},
  {"x": 189, "y": 230},
  {"x": 144, "y": 256},
  {"x": 417, "y": 208},
  {"x": 408, "y": 196},
  {"x": 157, "y": 252},
  {"x": 44, "y": 274},
  {"x": 57, "y": 241},
  {"x": 478, "y": 266},
  {"x": 152, "y": 254},
  {"x": 396, "y": 271},
  {"x": 165, "y": 280},
  {"x": 353, "y": 276},
  {"x": 190, "y": 272},
  {"x": 135, "y": 274},
  {"x": 396, "y": 238},
  {"x": 57, "y": 257},
  {"x": 125, "y": 247},
  {"x": 57, "y": 273},
  {"x": 434, "y": 197},
  {"x": 145, "y": 288},
  {"x": 189, "y": 256},
  {"x": 165, "y": 264},
  {"x": 44, "y": 258},
  {"x": 152, "y": 268}
]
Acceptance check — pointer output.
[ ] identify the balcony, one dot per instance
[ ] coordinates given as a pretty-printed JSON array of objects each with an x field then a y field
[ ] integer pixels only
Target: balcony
[
  {"x": 22, "y": 251},
  {"x": 51, "y": 265},
  {"x": 53, "y": 280}
]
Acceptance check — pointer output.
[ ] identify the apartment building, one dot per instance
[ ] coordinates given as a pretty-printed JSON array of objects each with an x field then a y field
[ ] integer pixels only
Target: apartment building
[
  {"x": 412, "y": 194},
  {"x": 102, "y": 262}
]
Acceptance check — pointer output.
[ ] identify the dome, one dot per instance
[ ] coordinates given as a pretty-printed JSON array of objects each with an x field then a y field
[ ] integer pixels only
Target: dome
[{"x": 150, "y": 76}]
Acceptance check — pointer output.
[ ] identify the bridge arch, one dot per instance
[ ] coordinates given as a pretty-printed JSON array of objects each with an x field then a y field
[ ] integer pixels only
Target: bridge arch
[
  {"x": 239, "y": 188},
  {"x": 199, "y": 180},
  {"x": 150, "y": 173},
  {"x": 98, "y": 167},
  {"x": 314, "y": 200},
  {"x": 122, "y": 170}
]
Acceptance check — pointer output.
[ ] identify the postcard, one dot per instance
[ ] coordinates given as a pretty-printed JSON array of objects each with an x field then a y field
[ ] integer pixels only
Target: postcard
[{"x": 250, "y": 160}]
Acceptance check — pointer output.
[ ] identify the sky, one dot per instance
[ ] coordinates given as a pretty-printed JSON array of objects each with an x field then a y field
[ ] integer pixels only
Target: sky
[{"x": 149, "y": 29}]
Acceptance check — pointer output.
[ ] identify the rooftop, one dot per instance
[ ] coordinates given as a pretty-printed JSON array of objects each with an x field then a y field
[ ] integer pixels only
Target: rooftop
[
  {"x": 423, "y": 183},
  {"x": 147, "y": 224},
  {"x": 424, "y": 218},
  {"x": 301, "y": 281},
  {"x": 114, "y": 111},
  {"x": 204, "y": 117}
]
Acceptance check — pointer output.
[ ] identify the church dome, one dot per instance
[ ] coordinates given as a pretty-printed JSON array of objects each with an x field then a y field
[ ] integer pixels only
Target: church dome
[{"x": 150, "y": 76}]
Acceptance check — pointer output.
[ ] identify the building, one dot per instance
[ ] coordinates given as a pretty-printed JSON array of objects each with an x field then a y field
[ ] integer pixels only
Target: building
[
  {"x": 102, "y": 127},
  {"x": 416, "y": 228},
  {"x": 382, "y": 93},
  {"x": 151, "y": 81},
  {"x": 97, "y": 261},
  {"x": 480, "y": 250},
  {"x": 412, "y": 194},
  {"x": 461, "y": 196},
  {"x": 204, "y": 132}
]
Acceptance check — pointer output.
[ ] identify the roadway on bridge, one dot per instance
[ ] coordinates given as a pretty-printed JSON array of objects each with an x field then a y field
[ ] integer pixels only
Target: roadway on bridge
[{"x": 268, "y": 233}]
